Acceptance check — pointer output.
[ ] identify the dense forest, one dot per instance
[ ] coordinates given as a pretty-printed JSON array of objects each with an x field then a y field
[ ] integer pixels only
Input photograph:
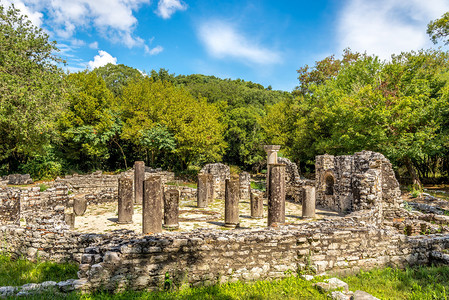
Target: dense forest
[{"x": 53, "y": 122}]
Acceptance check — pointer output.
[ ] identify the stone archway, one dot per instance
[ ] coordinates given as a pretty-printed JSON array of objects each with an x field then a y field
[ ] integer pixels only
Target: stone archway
[{"x": 329, "y": 182}]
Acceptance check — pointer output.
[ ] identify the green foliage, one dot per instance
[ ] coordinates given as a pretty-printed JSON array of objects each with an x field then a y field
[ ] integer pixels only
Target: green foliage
[
  {"x": 243, "y": 104},
  {"x": 46, "y": 166},
  {"x": 415, "y": 191},
  {"x": 117, "y": 77},
  {"x": 20, "y": 271},
  {"x": 439, "y": 29},
  {"x": 411, "y": 283},
  {"x": 43, "y": 187},
  {"x": 31, "y": 88},
  {"x": 193, "y": 123},
  {"x": 158, "y": 139},
  {"x": 86, "y": 126},
  {"x": 365, "y": 104},
  {"x": 258, "y": 185},
  {"x": 287, "y": 288}
]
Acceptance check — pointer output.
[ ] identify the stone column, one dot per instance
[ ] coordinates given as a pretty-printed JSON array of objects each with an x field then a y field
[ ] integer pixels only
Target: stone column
[
  {"x": 256, "y": 206},
  {"x": 152, "y": 205},
  {"x": 308, "y": 202},
  {"x": 245, "y": 185},
  {"x": 171, "y": 209},
  {"x": 79, "y": 206},
  {"x": 276, "y": 195},
  {"x": 139, "y": 177},
  {"x": 125, "y": 201},
  {"x": 69, "y": 219},
  {"x": 232, "y": 197},
  {"x": 211, "y": 187},
  {"x": 272, "y": 158},
  {"x": 202, "y": 194}
]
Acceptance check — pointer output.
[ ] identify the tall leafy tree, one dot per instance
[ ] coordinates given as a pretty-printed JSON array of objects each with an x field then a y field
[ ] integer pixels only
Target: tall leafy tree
[
  {"x": 117, "y": 77},
  {"x": 439, "y": 29},
  {"x": 31, "y": 88},
  {"x": 193, "y": 123},
  {"x": 391, "y": 107},
  {"x": 87, "y": 125}
]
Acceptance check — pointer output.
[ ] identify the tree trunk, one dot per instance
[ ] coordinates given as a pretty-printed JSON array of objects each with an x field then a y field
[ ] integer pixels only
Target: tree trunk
[
  {"x": 123, "y": 153},
  {"x": 412, "y": 172}
]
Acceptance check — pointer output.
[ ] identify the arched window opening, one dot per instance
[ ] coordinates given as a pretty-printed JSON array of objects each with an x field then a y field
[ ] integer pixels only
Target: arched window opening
[{"x": 329, "y": 185}]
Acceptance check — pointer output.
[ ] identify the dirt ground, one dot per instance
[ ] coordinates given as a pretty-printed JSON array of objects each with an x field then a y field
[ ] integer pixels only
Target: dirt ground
[{"x": 103, "y": 218}]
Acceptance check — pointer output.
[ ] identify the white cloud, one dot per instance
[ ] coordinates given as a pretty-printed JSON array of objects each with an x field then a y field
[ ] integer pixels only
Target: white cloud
[
  {"x": 166, "y": 8},
  {"x": 34, "y": 16},
  {"x": 154, "y": 51},
  {"x": 93, "y": 45},
  {"x": 384, "y": 27},
  {"x": 77, "y": 43},
  {"x": 223, "y": 40},
  {"x": 103, "y": 58},
  {"x": 113, "y": 18}
]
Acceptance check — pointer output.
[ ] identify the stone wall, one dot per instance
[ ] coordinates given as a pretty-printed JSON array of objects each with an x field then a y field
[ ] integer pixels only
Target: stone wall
[
  {"x": 209, "y": 257},
  {"x": 36, "y": 208},
  {"x": 362, "y": 181},
  {"x": 220, "y": 173},
  {"x": 101, "y": 188},
  {"x": 125, "y": 259},
  {"x": 9, "y": 206}
]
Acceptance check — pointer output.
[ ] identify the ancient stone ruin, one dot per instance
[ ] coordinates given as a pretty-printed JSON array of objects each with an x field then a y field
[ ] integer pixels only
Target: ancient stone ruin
[{"x": 358, "y": 222}]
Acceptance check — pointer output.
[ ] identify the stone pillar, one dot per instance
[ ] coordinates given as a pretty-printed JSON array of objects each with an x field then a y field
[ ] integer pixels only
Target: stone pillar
[
  {"x": 79, "y": 206},
  {"x": 211, "y": 187},
  {"x": 202, "y": 194},
  {"x": 152, "y": 205},
  {"x": 232, "y": 197},
  {"x": 272, "y": 158},
  {"x": 139, "y": 177},
  {"x": 69, "y": 219},
  {"x": 125, "y": 201},
  {"x": 276, "y": 195},
  {"x": 171, "y": 209},
  {"x": 256, "y": 206},
  {"x": 245, "y": 185},
  {"x": 308, "y": 202}
]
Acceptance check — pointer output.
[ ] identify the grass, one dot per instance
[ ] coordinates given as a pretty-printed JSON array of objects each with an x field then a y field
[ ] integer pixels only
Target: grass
[
  {"x": 43, "y": 187},
  {"x": 412, "y": 283},
  {"x": 258, "y": 185},
  {"x": 287, "y": 288},
  {"x": 388, "y": 283},
  {"x": 20, "y": 271},
  {"x": 188, "y": 184}
]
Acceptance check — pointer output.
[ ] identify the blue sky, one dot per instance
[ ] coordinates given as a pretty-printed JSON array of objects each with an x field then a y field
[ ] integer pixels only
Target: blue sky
[{"x": 260, "y": 41}]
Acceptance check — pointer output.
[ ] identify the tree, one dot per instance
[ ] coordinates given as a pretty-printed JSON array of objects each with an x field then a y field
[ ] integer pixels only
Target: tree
[
  {"x": 391, "y": 107},
  {"x": 243, "y": 104},
  {"x": 117, "y": 77},
  {"x": 158, "y": 139},
  {"x": 87, "y": 125},
  {"x": 439, "y": 29},
  {"x": 31, "y": 88},
  {"x": 193, "y": 123}
]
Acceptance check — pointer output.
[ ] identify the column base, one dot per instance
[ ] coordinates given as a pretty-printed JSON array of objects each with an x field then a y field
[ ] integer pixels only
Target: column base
[
  {"x": 126, "y": 222},
  {"x": 230, "y": 225}
]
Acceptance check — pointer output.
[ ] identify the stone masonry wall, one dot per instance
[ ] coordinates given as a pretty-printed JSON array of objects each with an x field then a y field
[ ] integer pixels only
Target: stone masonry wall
[
  {"x": 9, "y": 206},
  {"x": 292, "y": 179},
  {"x": 100, "y": 188},
  {"x": 220, "y": 173},
  {"x": 209, "y": 257},
  {"x": 124, "y": 259},
  {"x": 362, "y": 181}
]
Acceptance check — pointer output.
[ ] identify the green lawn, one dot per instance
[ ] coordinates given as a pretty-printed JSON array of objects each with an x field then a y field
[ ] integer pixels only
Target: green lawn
[
  {"x": 20, "y": 271},
  {"x": 412, "y": 283}
]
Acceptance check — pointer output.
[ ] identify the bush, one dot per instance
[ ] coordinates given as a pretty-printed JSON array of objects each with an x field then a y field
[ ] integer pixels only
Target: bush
[{"x": 45, "y": 167}]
